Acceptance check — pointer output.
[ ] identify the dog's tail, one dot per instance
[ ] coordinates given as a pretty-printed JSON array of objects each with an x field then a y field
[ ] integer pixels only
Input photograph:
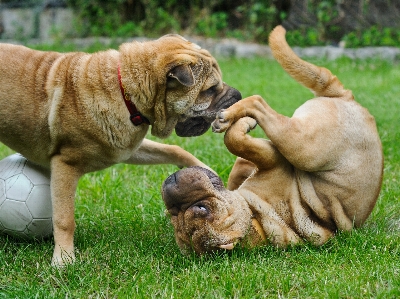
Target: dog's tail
[{"x": 319, "y": 79}]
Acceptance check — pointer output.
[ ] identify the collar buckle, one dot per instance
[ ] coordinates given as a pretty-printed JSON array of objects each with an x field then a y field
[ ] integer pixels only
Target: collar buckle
[{"x": 137, "y": 119}]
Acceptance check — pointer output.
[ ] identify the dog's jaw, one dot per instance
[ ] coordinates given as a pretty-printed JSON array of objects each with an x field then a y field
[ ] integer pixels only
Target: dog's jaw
[
  {"x": 255, "y": 237},
  {"x": 166, "y": 130}
]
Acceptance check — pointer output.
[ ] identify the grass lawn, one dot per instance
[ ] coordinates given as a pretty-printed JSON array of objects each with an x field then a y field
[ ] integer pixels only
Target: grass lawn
[{"x": 125, "y": 245}]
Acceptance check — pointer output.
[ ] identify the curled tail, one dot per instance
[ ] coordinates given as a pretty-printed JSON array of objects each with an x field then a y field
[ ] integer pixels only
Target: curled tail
[{"x": 319, "y": 79}]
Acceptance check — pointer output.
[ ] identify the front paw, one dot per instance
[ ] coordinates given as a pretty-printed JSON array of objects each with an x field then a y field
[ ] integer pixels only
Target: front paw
[
  {"x": 62, "y": 258},
  {"x": 222, "y": 122},
  {"x": 249, "y": 123}
]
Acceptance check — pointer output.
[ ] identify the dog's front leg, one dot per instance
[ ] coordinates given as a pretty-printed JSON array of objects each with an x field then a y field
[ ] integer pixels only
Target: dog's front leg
[
  {"x": 150, "y": 152},
  {"x": 252, "y": 152},
  {"x": 259, "y": 151},
  {"x": 64, "y": 181}
]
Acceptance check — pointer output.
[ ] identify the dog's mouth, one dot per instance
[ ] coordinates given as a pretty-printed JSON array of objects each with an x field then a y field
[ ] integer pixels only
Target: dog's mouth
[
  {"x": 228, "y": 246},
  {"x": 200, "y": 121},
  {"x": 225, "y": 246},
  {"x": 194, "y": 126}
]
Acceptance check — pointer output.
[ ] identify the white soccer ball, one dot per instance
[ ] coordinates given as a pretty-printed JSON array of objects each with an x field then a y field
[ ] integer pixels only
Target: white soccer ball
[{"x": 25, "y": 201}]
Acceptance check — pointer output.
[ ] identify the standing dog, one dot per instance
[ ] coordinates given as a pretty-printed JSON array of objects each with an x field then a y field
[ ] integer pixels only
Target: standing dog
[
  {"x": 320, "y": 172},
  {"x": 76, "y": 113}
]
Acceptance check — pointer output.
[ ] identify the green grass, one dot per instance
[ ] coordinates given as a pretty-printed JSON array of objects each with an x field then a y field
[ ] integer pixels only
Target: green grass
[{"x": 125, "y": 244}]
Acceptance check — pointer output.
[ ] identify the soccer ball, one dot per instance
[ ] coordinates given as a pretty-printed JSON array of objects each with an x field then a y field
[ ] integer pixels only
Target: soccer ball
[{"x": 25, "y": 202}]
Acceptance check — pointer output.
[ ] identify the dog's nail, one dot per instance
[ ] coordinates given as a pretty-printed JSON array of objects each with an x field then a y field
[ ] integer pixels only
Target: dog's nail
[
  {"x": 215, "y": 126},
  {"x": 219, "y": 114}
]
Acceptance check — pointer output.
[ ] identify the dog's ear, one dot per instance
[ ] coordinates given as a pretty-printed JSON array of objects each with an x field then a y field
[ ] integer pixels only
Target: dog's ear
[{"x": 182, "y": 73}]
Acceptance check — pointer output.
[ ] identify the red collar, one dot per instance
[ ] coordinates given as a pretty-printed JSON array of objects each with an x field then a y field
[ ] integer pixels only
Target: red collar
[{"x": 136, "y": 117}]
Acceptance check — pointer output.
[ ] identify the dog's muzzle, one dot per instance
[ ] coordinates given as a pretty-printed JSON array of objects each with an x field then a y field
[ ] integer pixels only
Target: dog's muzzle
[{"x": 198, "y": 125}]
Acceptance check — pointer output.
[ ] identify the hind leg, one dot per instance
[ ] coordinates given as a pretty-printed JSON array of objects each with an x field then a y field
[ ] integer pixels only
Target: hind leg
[
  {"x": 241, "y": 170},
  {"x": 308, "y": 140}
]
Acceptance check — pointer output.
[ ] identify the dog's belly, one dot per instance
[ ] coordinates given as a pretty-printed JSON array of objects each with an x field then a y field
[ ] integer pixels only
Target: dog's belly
[
  {"x": 349, "y": 198},
  {"x": 34, "y": 151}
]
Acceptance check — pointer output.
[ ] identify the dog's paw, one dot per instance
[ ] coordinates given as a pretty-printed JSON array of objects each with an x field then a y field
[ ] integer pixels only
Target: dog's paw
[
  {"x": 222, "y": 122},
  {"x": 250, "y": 123},
  {"x": 62, "y": 261}
]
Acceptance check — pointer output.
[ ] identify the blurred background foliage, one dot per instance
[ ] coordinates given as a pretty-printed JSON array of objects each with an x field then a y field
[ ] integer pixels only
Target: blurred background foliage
[{"x": 310, "y": 22}]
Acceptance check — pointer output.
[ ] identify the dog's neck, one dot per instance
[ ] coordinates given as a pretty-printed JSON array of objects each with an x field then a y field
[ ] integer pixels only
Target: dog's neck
[{"x": 135, "y": 116}]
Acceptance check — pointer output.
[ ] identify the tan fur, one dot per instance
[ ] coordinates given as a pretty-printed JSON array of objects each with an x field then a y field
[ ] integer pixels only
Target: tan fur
[
  {"x": 319, "y": 172},
  {"x": 66, "y": 111}
]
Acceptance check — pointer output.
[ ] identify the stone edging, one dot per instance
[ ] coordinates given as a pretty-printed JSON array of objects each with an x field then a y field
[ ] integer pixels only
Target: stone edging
[
  {"x": 230, "y": 48},
  {"x": 234, "y": 48}
]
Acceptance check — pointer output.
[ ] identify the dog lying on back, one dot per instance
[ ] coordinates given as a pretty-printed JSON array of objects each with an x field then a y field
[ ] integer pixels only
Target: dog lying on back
[{"x": 319, "y": 172}]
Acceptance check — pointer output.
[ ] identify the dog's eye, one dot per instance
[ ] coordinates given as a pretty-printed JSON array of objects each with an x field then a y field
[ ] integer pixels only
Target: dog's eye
[
  {"x": 203, "y": 209},
  {"x": 200, "y": 210},
  {"x": 214, "y": 87},
  {"x": 172, "y": 83},
  {"x": 212, "y": 90}
]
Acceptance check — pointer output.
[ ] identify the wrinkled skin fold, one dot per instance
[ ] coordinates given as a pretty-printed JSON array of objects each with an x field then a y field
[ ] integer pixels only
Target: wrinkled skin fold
[{"x": 319, "y": 171}]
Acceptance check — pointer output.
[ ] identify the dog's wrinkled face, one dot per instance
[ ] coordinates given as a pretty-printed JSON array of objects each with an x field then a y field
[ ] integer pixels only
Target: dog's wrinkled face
[
  {"x": 175, "y": 84},
  {"x": 206, "y": 217}
]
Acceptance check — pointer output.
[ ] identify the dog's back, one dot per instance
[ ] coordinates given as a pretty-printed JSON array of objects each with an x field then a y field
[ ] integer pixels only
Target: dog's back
[
  {"x": 23, "y": 74},
  {"x": 349, "y": 182}
]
